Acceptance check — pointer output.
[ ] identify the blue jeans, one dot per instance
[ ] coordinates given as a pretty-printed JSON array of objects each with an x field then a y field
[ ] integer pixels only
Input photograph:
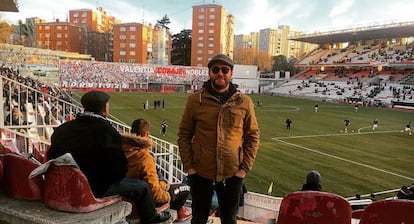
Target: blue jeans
[{"x": 139, "y": 192}]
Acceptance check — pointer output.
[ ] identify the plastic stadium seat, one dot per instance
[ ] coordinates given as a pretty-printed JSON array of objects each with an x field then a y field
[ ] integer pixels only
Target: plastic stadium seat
[
  {"x": 314, "y": 207},
  {"x": 356, "y": 214},
  {"x": 15, "y": 183},
  {"x": 1, "y": 171},
  {"x": 7, "y": 146},
  {"x": 393, "y": 211},
  {"x": 67, "y": 189}
]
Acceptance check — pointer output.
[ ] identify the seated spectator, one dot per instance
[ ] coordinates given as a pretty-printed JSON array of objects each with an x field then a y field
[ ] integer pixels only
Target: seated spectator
[
  {"x": 96, "y": 147},
  {"x": 141, "y": 165},
  {"x": 15, "y": 117},
  {"x": 313, "y": 181}
]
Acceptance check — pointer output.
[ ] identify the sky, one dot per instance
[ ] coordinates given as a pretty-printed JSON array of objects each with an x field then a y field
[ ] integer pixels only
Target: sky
[{"x": 251, "y": 15}]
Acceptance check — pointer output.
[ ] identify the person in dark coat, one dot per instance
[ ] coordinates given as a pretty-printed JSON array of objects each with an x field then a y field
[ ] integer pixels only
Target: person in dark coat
[
  {"x": 313, "y": 181},
  {"x": 97, "y": 149}
]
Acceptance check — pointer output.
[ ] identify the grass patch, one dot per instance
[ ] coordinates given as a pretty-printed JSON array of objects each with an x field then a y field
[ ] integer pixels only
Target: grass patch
[{"x": 362, "y": 161}]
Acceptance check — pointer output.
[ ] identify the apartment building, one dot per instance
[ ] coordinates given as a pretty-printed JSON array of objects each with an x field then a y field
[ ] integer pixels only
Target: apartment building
[
  {"x": 99, "y": 20},
  {"x": 213, "y": 33},
  {"x": 161, "y": 43},
  {"x": 60, "y": 36},
  {"x": 98, "y": 24},
  {"x": 132, "y": 43},
  {"x": 246, "y": 47}
]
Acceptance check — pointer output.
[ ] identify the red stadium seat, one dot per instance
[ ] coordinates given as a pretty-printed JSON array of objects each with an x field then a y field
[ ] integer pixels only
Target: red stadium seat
[
  {"x": 393, "y": 211},
  {"x": 314, "y": 207},
  {"x": 67, "y": 189},
  {"x": 7, "y": 146},
  {"x": 356, "y": 214},
  {"x": 1, "y": 172},
  {"x": 16, "y": 182}
]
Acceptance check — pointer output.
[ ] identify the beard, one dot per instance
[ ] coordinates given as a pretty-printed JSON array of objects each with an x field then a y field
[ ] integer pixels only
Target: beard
[{"x": 220, "y": 84}]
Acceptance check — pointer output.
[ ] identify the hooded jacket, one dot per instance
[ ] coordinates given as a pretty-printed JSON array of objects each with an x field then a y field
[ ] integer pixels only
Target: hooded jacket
[
  {"x": 141, "y": 165},
  {"x": 218, "y": 134}
]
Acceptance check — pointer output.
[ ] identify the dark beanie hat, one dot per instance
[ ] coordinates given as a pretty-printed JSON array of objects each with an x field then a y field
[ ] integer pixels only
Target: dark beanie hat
[
  {"x": 313, "y": 177},
  {"x": 222, "y": 58},
  {"x": 94, "y": 101}
]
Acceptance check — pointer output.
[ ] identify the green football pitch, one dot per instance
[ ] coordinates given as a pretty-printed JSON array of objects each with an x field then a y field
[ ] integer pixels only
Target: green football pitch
[{"x": 361, "y": 161}]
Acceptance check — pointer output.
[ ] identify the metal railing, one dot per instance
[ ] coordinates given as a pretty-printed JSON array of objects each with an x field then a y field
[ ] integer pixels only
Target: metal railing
[{"x": 41, "y": 110}]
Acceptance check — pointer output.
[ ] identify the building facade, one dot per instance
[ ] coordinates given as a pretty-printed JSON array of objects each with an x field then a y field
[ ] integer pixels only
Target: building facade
[
  {"x": 61, "y": 36},
  {"x": 246, "y": 48},
  {"x": 132, "y": 43},
  {"x": 98, "y": 25},
  {"x": 213, "y": 33}
]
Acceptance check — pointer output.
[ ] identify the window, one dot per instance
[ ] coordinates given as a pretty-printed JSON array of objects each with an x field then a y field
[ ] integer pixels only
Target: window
[
  {"x": 47, "y": 27},
  {"x": 59, "y": 35},
  {"x": 201, "y": 10},
  {"x": 200, "y": 45},
  {"x": 122, "y": 45},
  {"x": 83, "y": 14},
  {"x": 132, "y": 37},
  {"x": 47, "y": 35},
  {"x": 210, "y": 31},
  {"x": 199, "y": 58},
  {"x": 132, "y": 53},
  {"x": 131, "y": 60},
  {"x": 76, "y": 14},
  {"x": 201, "y": 38},
  {"x": 211, "y": 45},
  {"x": 199, "y": 51},
  {"x": 132, "y": 28},
  {"x": 131, "y": 45},
  {"x": 122, "y": 37},
  {"x": 210, "y": 38},
  {"x": 212, "y": 16},
  {"x": 200, "y": 31},
  {"x": 200, "y": 23},
  {"x": 58, "y": 43},
  {"x": 83, "y": 21},
  {"x": 212, "y": 9},
  {"x": 58, "y": 27},
  {"x": 122, "y": 53},
  {"x": 210, "y": 52},
  {"x": 122, "y": 29},
  {"x": 211, "y": 24},
  {"x": 200, "y": 16}
]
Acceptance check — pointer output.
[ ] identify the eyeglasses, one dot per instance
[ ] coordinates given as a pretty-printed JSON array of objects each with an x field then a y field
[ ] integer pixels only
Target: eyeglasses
[{"x": 216, "y": 70}]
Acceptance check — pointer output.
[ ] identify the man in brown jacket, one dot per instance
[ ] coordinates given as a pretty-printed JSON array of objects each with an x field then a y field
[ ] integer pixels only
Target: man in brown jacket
[{"x": 218, "y": 140}]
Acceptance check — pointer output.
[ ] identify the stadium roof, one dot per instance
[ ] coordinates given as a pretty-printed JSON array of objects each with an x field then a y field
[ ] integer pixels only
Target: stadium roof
[
  {"x": 8, "y": 5},
  {"x": 388, "y": 31}
]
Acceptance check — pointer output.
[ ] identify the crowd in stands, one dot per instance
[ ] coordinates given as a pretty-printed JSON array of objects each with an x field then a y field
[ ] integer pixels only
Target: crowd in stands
[
  {"x": 27, "y": 101},
  {"x": 363, "y": 54},
  {"x": 72, "y": 73}
]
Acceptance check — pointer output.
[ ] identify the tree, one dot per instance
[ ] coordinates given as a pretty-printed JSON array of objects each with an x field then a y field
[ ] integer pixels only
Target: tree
[
  {"x": 263, "y": 62},
  {"x": 181, "y": 48},
  {"x": 5, "y": 31},
  {"x": 280, "y": 63},
  {"x": 164, "y": 22}
]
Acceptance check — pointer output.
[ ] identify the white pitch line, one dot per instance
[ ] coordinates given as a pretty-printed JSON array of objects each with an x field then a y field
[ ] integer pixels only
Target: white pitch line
[
  {"x": 345, "y": 160},
  {"x": 338, "y": 134}
]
